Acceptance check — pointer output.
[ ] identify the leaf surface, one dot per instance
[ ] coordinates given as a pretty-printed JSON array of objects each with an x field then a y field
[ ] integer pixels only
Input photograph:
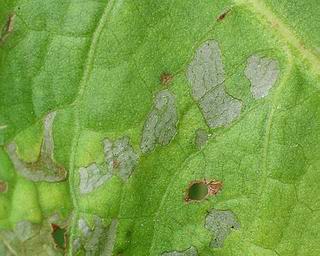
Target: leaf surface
[{"x": 143, "y": 110}]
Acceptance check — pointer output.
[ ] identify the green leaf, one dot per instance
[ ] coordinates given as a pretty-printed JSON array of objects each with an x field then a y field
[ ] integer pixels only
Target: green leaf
[{"x": 159, "y": 127}]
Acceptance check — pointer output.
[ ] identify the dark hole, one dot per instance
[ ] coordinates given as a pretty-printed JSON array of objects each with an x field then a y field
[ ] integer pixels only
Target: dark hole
[
  {"x": 58, "y": 235},
  {"x": 197, "y": 191}
]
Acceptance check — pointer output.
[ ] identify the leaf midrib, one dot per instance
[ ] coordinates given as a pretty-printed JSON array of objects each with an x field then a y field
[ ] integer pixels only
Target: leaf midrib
[{"x": 82, "y": 88}]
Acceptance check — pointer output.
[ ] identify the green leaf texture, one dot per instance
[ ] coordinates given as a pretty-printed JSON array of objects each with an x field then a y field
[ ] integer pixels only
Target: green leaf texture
[{"x": 110, "y": 110}]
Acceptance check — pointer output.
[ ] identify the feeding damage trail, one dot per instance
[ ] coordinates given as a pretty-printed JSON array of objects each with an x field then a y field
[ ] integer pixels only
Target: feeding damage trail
[
  {"x": 160, "y": 126},
  {"x": 206, "y": 77},
  {"x": 120, "y": 157},
  {"x": 96, "y": 238},
  {"x": 120, "y": 160},
  {"x": 45, "y": 168}
]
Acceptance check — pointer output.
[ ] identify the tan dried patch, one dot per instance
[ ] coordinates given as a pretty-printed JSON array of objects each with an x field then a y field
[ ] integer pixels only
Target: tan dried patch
[
  {"x": 214, "y": 187},
  {"x": 8, "y": 28}
]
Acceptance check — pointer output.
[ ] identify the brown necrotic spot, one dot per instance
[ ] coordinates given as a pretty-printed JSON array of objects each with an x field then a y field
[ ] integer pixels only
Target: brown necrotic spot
[
  {"x": 214, "y": 187},
  {"x": 223, "y": 15},
  {"x": 199, "y": 190},
  {"x": 166, "y": 78},
  {"x": 3, "y": 186}
]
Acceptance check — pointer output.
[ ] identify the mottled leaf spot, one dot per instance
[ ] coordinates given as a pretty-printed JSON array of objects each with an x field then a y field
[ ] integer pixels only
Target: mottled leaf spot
[
  {"x": 120, "y": 157},
  {"x": 3, "y": 186},
  {"x": 262, "y": 74},
  {"x": 59, "y": 236},
  {"x": 201, "y": 138},
  {"x": 8, "y": 28},
  {"x": 91, "y": 178},
  {"x": 206, "y": 77},
  {"x": 221, "y": 223},
  {"x": 192, "y": 251},
  {"x": 166, "y": 78},
  {"x": 160, "y": 126},
  {"x": 45, "y": 168},
  {"x": 199, "y": 190},
  {"x": 97, "y": 239}
]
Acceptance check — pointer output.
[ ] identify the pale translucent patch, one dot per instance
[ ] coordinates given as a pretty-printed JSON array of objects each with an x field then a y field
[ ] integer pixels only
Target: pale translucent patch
[
  {"x": 112, "y": 232},
  {"x": 192, "y": 251},
  {"x": 28, "y": 238},
  {"x": 221, "y": 223},
  {"x": 262, "y": 74},
  {"x": 97, "y": 238},
  {"x": 24, "y": 230},
  {"x": 45, "y": 168},
  {"x": 206, "y": 77},
  {"x": 201, "y": 138},
  {"x": 120, "y": 157},
  {"x": 91, "y": 178},
  {"x": 161, "y": 124}
]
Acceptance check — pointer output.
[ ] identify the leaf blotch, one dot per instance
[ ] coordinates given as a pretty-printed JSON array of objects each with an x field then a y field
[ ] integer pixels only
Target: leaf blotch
[
  {"x": 96, "y": 239},
  {"x": 201, "y": 138},
  {"x": 206, "y": 77},
  {"x": 91, "y": 178},
  {"x": 221, "y": 223},
  {"x": 262, "y": 74},
  {"x": 45, "y": 168},
  {"x": 120, "y": 157},
  {"x": 160, "y": 126}
]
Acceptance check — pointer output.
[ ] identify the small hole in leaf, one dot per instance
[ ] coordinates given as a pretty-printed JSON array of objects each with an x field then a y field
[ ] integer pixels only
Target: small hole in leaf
[
  {"x": 197, "y": 191},
  {"x": 59, "y": 236}
]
